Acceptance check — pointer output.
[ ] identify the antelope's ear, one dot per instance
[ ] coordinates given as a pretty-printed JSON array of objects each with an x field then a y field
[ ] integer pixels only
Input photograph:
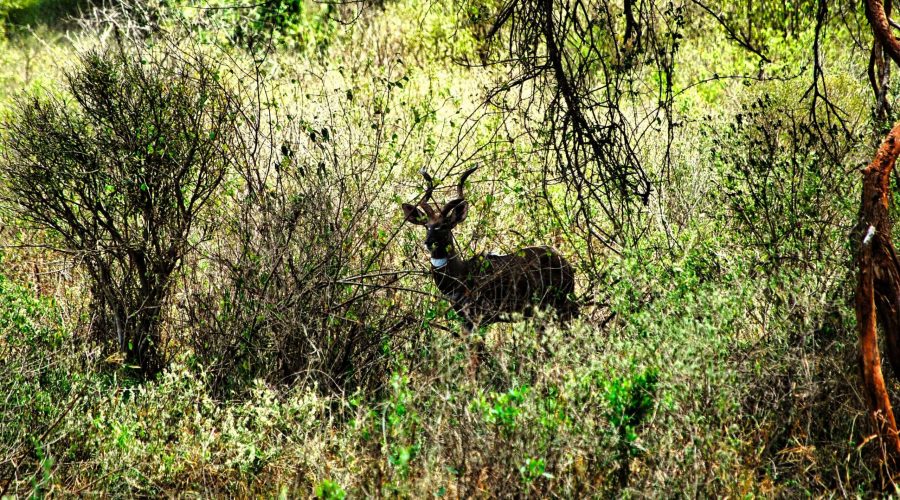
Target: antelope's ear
[
  {"x": 455, "y": 211},
  {"x": 411, "y": 213}
]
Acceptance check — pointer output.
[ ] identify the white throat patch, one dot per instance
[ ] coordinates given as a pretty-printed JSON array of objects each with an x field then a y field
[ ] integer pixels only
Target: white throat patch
[{"x": 438, "y": 263}]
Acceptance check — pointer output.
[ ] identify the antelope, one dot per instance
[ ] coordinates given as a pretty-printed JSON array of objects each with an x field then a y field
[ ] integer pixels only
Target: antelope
[{"x": 489, "y": 288}]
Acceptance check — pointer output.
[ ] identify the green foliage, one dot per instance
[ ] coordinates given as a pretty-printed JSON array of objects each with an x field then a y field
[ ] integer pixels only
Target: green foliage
[
  {"x": 310, "y": 352},
  {"x": 39, "y": 383},
  {"x": 401, "y": 422},
  {"x": 330, "y": 490},
  {"x": 20, "y": 13},
  {"x": 783, "y": 179},
  {"x": 532, "y": 469},
  {"x": 630, "y": 400},
  {"x": 295, "y": 25},
  {"x": 27, "y": 321},
  {"x": 502, "y": 410},
  {"x": 6, "y": 6}
]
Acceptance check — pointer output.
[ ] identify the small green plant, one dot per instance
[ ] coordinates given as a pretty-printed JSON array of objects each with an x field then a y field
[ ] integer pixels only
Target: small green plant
[
  {"x": 630, "y": 400},
  {"x": 532, "y": 469},
  {"x": 46, "y": 464},
  {"x": 502, "y": 409},
  {"x": 401, "y": 426},
  {"x": 330, "y": 490}
]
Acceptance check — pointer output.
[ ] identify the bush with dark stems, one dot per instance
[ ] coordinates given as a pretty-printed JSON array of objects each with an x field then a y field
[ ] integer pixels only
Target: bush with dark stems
[
  {"x": 302, "y": 288},
  {"x": 119, "y": 165}
]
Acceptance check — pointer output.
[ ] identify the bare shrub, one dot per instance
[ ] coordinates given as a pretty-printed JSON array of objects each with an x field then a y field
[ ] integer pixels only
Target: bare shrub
[
  {"x": 119, "y": 165},
  {"x": 283, "y": 303},
  {"x": 586, "y": 87},
  {"x": 302, "y": 287}
]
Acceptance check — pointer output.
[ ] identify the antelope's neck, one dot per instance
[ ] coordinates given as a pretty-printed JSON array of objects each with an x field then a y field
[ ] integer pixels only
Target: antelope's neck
[
  {"x": 446, "y": 263},
  {"x": 449, "y": 272}
]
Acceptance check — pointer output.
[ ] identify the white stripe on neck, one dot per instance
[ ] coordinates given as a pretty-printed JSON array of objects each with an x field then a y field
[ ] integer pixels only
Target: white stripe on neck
[{"x": 438, "y": 263}]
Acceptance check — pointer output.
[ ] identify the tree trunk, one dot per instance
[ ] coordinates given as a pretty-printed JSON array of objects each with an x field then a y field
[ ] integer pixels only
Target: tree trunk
[{"x": 878, "y": 289}]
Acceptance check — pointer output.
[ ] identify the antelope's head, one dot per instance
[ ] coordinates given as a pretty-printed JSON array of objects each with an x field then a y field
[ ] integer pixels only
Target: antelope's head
[{"x": 439, "y": 221}]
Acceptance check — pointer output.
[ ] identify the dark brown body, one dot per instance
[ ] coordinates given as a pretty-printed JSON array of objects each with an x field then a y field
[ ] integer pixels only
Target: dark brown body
[{"x": 490, "y": 288}]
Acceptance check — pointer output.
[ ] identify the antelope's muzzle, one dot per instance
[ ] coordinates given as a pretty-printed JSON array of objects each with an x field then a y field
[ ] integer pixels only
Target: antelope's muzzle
[
  {"x": 437, "y": 241},
  {"x": 430, "y": 241}
]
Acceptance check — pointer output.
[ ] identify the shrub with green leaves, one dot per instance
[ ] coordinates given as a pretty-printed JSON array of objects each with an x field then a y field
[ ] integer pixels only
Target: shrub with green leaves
[
  {"x": 119, "y": 165},
  {"x": 297, "y": 25},
  {"x": 783, "y": 179}
]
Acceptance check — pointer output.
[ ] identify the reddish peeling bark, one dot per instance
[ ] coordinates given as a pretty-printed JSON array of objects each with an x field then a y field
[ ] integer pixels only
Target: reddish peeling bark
[
  {"x": 878, "y": 289},
  {"x": 881, "y": 28}
]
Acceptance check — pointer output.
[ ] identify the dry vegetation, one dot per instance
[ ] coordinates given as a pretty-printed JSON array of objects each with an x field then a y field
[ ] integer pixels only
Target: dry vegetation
[{"x": 207, "y": 286}]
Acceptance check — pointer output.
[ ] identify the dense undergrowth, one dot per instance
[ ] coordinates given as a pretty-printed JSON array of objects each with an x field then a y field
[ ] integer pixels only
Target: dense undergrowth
[{"x": 303, "y": 348}]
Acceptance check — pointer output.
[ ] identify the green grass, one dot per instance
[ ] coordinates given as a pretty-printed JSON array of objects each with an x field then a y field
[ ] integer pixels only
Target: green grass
[{"x": 20, "y": 14}]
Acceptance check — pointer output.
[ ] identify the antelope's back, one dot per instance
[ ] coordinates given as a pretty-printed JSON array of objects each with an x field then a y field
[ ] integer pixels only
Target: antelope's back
[{"x": 531, "y": 276}]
